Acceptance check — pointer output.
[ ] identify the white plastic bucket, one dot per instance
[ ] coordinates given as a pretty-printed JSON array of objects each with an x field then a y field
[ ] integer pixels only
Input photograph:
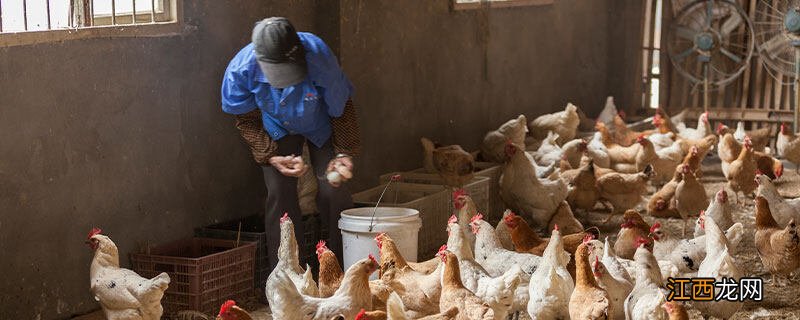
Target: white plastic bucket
[{"x": 401, "y": 224}]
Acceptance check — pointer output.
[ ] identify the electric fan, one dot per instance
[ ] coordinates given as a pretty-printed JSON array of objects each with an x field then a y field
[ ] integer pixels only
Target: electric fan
[
  {"x": 777, "y": 25},
  {"x": 710, "y": 42}
]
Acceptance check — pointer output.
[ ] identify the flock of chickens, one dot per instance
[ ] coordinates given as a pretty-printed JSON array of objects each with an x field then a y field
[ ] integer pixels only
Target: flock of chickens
[{"x": 550, "y": 180}]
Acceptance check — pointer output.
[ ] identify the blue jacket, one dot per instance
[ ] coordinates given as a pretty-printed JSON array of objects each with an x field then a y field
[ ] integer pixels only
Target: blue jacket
[{"x": 304, "y": 108}]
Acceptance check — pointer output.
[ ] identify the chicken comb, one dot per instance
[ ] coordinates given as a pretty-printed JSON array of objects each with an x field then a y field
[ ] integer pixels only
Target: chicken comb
[
  {"x": 95, "y": 231},
  {"x": 396, "y": 178},
  {"x": 702, "y": 219},
  {"x": 452, "y": 219},
  {"x": 640, "y": 138},
  {"x": 459, "y": 193},
  {"x": 285, "y": 217},
  {"x": 669, "y": 307},
  {"x": 722, "y": 196},
  {"x": 758, "y": 172},
  {"x": 443, "y": 248},
  {"x": 655, "y": 227},
  {"x": 321, "y": 245},
  {"x": 555, "y": 227},
  {"x": 596, "y": 263},
  {"x": 779, "y": 170},
  {"x": 226, "y": 307},
  {"x": 379, "y": 239},
  {"x": 509, "y": 219},
  {"x": 587, "y": 238},
  {"x": 372, "y": 258},
  {"x": 641, "y": 240},
  {"x": 510, "y": 148},
  {"x": 783, "y": 127},
  {"x": 476, "y": 218},
  {"x": 362, "y": 315},
  {"x": 705, "y": 115},
  {"x": 622, "y": 114}
]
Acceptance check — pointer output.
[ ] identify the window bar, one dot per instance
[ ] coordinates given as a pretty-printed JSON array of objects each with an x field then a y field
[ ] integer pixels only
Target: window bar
[
  {"x": 153, "y": 11},
  {"x": 49, "y": 26},
  {"x": 113, "y": 12},
  {"x": 133, "y": 12},
  {"x": 1, "y": 17},
  {"x": 88, "y": 11},
  {"x": 25, "y": 13}
]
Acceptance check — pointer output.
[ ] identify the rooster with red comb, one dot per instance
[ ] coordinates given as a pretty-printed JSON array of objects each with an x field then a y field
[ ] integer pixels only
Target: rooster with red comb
[
  {"x": 289, "y": 263},
  {"x": 230, "y": 311}
]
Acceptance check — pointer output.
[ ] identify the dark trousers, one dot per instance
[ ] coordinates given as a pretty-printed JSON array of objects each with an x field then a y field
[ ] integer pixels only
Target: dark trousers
[{"x": 282, "y": 197}]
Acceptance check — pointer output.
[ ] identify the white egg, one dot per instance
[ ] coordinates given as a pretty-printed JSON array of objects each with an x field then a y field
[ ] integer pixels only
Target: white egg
[
  {"x": 334, "y": 177},
  {"x": 344, "y": 171}
]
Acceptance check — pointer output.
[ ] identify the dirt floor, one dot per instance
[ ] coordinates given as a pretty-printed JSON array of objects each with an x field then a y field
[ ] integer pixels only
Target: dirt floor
[{"x": 778, "y": 302}]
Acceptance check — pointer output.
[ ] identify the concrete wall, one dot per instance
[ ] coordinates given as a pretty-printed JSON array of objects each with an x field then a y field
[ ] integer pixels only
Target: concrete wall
[
  {"x": 125, "y": 134},
  {"x": 421, "y": 69}
]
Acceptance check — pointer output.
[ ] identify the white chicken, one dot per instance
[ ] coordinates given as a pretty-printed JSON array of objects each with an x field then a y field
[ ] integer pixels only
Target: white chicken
[
  {"x": 614, "y": 264},
  {"x": 122, "y": 293},
  {"x": 661, "y": 140},
  {"x": 609, "y": 112},
  {"x": 549, "y": 151},
  {"x": 289, "y": 262},
  {"x": 395, "y": 310},
  {"x": 646, "y": 298},
  {"x": 352, "y": 296},
  {"x": 498, "y": 292},
  {"x": 493, "y": 145},
  {"x": 720, "y": 265},
  {"x": 720, "y": 210},
  {"x": 493, "y": 257},
  {"x": 739, "y": 134},
  {"x": 783, "y": 210},
  {"x": 596, "y": 151},
  {"x": 525, "y": 193},
  {"x": 550, "y": 294},
  {"x": 686, "y": 254},
  {"x": 564, "y": 123},
  {"x": 668, "y": 160},
  {"x": 703, "y": 129},
  {"x": 618, "y": 288}
]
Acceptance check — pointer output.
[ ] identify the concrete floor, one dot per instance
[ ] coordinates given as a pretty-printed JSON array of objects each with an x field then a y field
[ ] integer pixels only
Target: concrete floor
[{"x": 778, "y": 303}]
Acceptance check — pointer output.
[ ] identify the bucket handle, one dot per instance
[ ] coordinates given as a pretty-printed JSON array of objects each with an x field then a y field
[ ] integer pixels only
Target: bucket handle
[{"x": 372, "y": 219}]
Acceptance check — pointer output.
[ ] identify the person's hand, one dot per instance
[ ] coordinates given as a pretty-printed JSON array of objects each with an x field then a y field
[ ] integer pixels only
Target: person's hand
[
  {"x": 340, "y": 169},
  {"x": 290, "y": 166}
]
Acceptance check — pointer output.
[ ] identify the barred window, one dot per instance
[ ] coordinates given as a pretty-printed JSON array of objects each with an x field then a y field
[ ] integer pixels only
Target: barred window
[
  {"x": 21, "y": 18},
  {"x": 477, "y": 4}
]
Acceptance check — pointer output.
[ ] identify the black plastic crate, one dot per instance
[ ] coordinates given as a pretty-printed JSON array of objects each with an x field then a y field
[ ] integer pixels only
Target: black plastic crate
[{"x": 252, "y": 231}]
